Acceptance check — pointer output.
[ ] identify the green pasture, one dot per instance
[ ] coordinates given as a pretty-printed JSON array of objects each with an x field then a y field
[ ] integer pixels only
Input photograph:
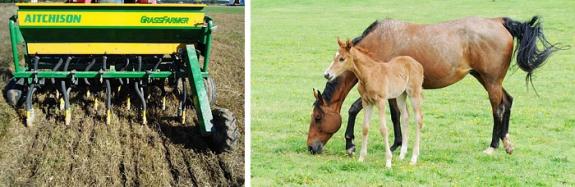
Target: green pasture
[
  {"x": 294, "y": 41},
  {"x": 214, "y": 9}
]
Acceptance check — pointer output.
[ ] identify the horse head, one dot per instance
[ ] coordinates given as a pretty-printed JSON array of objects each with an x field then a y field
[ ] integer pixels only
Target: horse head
[
  {"x": 341, "y": 61},
  {"x": 325, "y": 121}
]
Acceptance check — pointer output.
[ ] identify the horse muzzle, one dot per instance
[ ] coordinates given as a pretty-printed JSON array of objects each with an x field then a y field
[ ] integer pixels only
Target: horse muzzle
[
  {"x": 326, "y": 75},
  {"x": 315, "y": 148}
]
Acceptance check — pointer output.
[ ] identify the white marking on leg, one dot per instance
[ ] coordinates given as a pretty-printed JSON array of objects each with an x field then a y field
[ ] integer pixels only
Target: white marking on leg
[
  {"x": 489, "y": 150},
  {"x": 365, "y": 130},
  {"x": 507, "y": 144},
  {"x": 416, "y": 104},
  {"x": 401, "y": 103},
  {"x": 416, "y": 145}
]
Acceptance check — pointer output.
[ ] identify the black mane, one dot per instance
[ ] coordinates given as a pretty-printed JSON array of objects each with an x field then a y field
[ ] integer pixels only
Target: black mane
[
  {"x": 368, "y": 30},
  {"x": 328, "y": 91}
]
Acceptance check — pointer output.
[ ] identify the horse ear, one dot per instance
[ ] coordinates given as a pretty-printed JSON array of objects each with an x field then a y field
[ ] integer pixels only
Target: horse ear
[
  {"x": 340, "y": 43},
  {"x": 348, "y": 44},
  {"x": 317, "y": 95}
]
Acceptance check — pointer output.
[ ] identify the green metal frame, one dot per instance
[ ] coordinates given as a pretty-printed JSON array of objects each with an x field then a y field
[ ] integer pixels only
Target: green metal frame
[
  {"x": 207, "y": 40},
  {"x": 195, "y": 72},
  {"x": 16, "y": 38},
  {"x": 200, "y": 96}
]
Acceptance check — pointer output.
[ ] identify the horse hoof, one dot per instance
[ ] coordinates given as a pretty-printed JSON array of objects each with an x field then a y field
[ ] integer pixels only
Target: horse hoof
[
  {"x": 509, "y": 150},
  {"x": 361, "y": 159},
  {"x": 507, "y": 144},
  {"x": 395, "y": 146},
  {"x": 413, "y": 161},
  {"x": 350, "y": 151},
  {"x": 489, "y": 151},
  {"x": 388, "y": 164}
]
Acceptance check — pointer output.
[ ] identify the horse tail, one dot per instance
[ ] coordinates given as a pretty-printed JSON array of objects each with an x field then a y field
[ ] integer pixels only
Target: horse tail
[{"x": 529, "y": 56}]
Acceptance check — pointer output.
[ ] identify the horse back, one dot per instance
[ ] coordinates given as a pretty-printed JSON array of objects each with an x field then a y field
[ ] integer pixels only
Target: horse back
[{"x": 447, "y": 50}]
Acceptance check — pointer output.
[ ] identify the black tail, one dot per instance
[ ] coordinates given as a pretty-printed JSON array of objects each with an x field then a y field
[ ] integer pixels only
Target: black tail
[{"x": 529, "y": 56}]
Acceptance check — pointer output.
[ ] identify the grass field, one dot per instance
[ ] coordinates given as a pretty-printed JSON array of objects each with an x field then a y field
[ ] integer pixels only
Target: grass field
[
  {"x": 292, "y": 44},
  {"x": 125, "y": 153}
]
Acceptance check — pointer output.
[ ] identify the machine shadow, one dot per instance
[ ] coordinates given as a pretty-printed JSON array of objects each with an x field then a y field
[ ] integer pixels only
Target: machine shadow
[{"x": 187, "y": 135}]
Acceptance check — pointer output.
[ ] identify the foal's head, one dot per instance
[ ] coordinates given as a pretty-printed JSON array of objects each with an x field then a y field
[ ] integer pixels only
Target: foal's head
[
  {"x": 325, "y": 121},
  {"x": 341, "y": 61}
]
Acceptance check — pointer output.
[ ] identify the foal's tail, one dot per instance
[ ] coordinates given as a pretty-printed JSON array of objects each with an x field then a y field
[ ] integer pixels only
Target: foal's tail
[{"x": 529, "y": 56}]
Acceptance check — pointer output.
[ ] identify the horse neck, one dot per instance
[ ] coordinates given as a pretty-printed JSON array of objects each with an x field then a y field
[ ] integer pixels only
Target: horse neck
[
  {"x": 362, "y": 65},
  {"x": 344, "y": 85},
  {"x": 380, "y": 43}
]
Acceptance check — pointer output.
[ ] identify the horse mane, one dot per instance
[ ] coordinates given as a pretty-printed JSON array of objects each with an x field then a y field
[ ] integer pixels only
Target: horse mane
[
  {"x": 366, "y": 32},
  {"x": 328, "y": 91}
]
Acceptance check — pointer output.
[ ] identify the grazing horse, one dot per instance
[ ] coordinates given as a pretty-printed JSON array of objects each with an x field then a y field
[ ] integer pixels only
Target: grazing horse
[
  {"x": 448, "y": 51},
  {"x": 402, "y": 76}
]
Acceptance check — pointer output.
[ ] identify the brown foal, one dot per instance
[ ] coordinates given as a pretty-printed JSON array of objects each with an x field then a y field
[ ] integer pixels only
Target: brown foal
[{"x": 402, "y": 76}]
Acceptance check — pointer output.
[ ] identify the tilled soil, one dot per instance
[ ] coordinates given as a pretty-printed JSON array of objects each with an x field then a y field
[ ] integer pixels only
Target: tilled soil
[{"x": 126, "y": 153}]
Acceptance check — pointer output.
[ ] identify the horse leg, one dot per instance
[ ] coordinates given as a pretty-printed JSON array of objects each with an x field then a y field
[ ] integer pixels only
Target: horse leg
[
  {"x": 384, "y": 132},
  {"x": 366, "y": 119},
  {"x": 394, "y": 111},
  {"x": 507, "y": 101},
  {"x": 495, "y": 92},
  {"x": 401, "y": 103},
  {"x": 416, "y": 104},
  {"x": 353, "y": 111}
]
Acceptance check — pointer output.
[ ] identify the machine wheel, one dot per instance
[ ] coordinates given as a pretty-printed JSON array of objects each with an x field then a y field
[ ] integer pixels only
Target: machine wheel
[
  {"x": 210, "y": 85},
  {"x": 225, "y": 132},
  {"x": 13, "y": 93}
]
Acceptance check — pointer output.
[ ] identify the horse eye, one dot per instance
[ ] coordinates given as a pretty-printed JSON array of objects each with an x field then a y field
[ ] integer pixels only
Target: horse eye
[
  {"x": 317, "y": 117},
  {"x": 341, "y": 59}
]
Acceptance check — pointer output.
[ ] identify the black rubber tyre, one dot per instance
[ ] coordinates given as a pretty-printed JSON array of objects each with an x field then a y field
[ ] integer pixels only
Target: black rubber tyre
[
  {"x": 210, "y": 85},
  {"x": 13, "y": 93},
  {"x": 225, "y": 133}
]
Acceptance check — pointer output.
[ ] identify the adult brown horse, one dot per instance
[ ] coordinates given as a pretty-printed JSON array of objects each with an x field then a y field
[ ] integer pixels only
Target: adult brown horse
[{"x": 448, "y": 52}]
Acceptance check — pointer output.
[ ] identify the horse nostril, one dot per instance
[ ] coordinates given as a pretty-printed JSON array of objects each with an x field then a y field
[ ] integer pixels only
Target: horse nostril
[
  {"x": 326, "y": 75},
  {"x": 315, "y": 148}
]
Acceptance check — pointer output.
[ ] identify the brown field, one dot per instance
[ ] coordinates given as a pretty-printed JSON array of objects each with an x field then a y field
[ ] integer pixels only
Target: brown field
[{"x": 126, "y": 153}]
